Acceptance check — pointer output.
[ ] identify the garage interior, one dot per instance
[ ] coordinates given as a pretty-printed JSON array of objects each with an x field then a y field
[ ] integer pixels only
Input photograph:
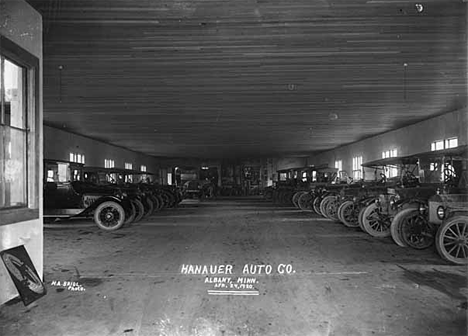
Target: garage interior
[{"x": 253, "y": 99}]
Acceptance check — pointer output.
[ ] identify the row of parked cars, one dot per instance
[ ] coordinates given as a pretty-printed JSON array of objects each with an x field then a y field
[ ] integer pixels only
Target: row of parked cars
[
  {"x": 426, "y": 203},
  {"x": 112, "y": 197}
]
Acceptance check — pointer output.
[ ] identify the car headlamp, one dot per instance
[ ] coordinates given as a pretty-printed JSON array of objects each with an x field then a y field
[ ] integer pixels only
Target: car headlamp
[
  {"x": 441, "y": 212},
  {"x": 422, "y": 208}
]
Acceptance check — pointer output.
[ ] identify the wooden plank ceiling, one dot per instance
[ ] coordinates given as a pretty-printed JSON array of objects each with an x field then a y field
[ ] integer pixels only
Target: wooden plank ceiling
[{"x": 242, "y": 78}]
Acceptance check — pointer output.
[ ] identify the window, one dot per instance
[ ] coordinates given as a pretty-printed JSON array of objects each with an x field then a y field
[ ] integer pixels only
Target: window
[
  {"x": 451, "y": 143},
  {"x": 79, "y": 158},
  {"x": 128, "y": 165},
  {"x": 19, "y": 156},
  {"x": 109, "y": 163},
  {"x": 339, "y": 165},
  {"x": 357, "y": 169},
  {"x": 389, "y": 153},
  {"x": 444, "y": 144},
  {"x": 143, "y": 168},
  {"x": 437, "y": 145},
  {"x": 390, "y": 171},
  {"x": 314, "y": 176}
]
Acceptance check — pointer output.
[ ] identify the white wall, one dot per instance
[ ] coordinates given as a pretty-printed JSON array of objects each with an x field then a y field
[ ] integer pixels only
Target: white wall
[
  {"x": 20, "y": 23},
  {"x": 408, "y": 140}
]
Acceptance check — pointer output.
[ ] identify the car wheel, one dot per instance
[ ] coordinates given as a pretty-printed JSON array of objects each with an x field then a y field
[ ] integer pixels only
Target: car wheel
[
  {"x": 323, "y": 205},
  {"x": 452, "y": 240},
  {"x": 109, "y": 216},
  {"x": 156, "y": 203},
  {"x": 130, "y": 214},
  {"x": 316, "y": 204},
  {"x": 395, "y": 227},
  {"x": 149, "y": 207},
  {"x": 140, "y": 210},
  {"x": 331, "y": 208},
  {"x": 347, "y": 212},
  {"x": 304, "y": 202},
  {"x": 416, "y": 230},
  {"x": 295, "y": 198},
  {"x": 360, "y": 214},
  {"x": 375, "y": 224}
]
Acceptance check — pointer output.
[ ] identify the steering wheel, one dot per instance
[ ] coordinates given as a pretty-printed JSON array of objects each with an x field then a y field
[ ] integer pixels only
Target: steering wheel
[{"x": 383, "y": 178}]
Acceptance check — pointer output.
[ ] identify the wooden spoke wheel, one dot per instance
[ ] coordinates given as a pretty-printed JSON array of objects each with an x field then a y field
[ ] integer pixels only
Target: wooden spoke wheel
[
  {"x": 130, "y": 214},
  {"x": 109, "y": 216},
  {"x": 452, "y": 240},
  {"x": 416, "y": 231},
  {"x": 296, "y": 196},
  {"x": 360, "y": 216},
  {"x": 375, "y": 223},
  {"x": 140, "y": 210},
  {"x": 316, "y": 205},
  {"x": 305, "y": 201},
  {"x": 331, "y": 208},
  {"x": 395, "y": 226},
  {"x": 149, "y": 207},
  {"x": 348, "y": 214},
  {"x": 324, "y": 204}
]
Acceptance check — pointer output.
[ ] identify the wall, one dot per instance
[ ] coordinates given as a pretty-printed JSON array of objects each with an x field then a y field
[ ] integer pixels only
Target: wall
[
  {"x": 95, "y": 151},
  {"x": 21, "y": 24},
  {"x": 408, "y": 140}
]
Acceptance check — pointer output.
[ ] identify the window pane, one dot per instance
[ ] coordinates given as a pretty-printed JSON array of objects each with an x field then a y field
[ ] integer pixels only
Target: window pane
[
  {"x": 13, "y": 177},
  {"x": 14, "y": 95},
  {"x": 451, "y": 143}
]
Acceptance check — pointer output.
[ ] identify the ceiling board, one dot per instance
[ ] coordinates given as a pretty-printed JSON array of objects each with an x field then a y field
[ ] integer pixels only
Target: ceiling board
[{"x": 214, "y": 78}]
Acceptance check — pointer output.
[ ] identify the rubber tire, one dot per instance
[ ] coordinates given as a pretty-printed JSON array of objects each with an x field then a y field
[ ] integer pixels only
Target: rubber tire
[
  {"x": 157, "y": 203},
  {"x": 131, "y": 218},
  {"x": 360, "y": 215},
  {"x": 295, "y": 198},
  {"x": 117, "y": 207},
  {"x": 140, "y": 209},
  {"x": 316, "y": 205},
  {"x": 331, "y": 209},
  {"x": 440, "y": 241},
  {"x": 149, "y": 207},
  {"x": 304, "y": 201},
  {"x": 323, "y": 205},
  {"x": 378, "y": 234},
  {"x": 405, "y": 229},
  {"x": 341, "y": 213},
  {"x": 395, "y": 229}
]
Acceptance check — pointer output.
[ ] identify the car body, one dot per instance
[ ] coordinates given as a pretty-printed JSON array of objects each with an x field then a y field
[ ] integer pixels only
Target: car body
[{"x": 66, "y": 195}]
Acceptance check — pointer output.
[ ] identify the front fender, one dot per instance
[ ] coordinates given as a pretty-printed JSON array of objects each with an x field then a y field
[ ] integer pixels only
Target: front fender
[{"x": 123, "y": 202}]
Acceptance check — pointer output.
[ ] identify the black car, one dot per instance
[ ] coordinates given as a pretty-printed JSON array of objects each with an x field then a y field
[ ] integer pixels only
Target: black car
[{"x": 66, "y": 195}]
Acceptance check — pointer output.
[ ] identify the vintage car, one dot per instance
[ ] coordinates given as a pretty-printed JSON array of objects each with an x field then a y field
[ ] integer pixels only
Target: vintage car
[
  {"x": 417, "y": 181},
  {"x": 142, "y": 203},
  {"x": 403, "y": 190},
  {"x": 450, "y": 214},
  {"x": 447, "y": 172},
  {"x": 324, "y": 176},
  {"x": 66, "y": 195},
  {"x": 351, "y": 200},
  {"x": 359, "y": 195}
]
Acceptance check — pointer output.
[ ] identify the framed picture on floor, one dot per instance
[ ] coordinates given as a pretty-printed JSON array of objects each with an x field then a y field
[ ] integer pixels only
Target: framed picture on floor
[{"x": 24, "y": 275}]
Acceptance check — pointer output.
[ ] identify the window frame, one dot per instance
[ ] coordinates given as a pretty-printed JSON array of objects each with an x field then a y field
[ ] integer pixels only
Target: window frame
[{"x": 25, "y": 59}]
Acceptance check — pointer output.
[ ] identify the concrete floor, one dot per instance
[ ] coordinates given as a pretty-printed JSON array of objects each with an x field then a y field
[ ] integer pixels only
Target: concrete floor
[{"x": 342, "y": 281}]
